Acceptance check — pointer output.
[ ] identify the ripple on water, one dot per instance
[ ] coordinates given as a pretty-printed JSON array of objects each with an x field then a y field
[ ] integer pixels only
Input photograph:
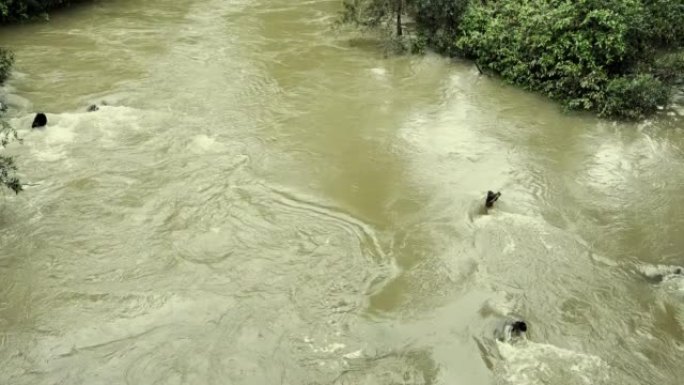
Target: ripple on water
[{"x": 415, "y": 367}]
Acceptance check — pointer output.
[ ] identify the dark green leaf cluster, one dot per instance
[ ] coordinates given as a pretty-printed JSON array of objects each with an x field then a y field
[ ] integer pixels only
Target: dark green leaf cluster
[
  {"x": 8, "y": 167},
  {"x": 590, "y": 54},
  {"x": 437, "y": 22},
  {"x": 6, "y": 61},
  {"x": 367, "y": 13},
  {"x": 18, "y": 10}
]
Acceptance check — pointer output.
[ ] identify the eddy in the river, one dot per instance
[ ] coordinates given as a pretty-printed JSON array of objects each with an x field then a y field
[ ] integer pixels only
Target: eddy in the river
[
  {"x": 39, "y": 121},
  {"x": 491, "y": 198}
]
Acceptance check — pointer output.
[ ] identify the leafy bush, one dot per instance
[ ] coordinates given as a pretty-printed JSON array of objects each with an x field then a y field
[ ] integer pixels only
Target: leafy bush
[
  {"x": 8, "y": 176},
  {"x": 669, "y": 67},
  {"x": 8, "y": 168},
  {"x": 367, "y": 13},
  {"x": 665, "y": 22},
  {"x": 437, "y": 22},
  {"x": 634, "y": 96},
  {"x": 6, "y": 60},
  {"x": 585, "y": 53},
  {"x": 17, "y": 10}
]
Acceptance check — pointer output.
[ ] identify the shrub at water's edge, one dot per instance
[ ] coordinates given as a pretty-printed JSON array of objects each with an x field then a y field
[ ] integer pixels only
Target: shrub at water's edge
[
  {"x": 18, "y": 10},
  {"x": 618, "y": 58},
  {"x": 589, "y": 54},
  {"x": 6, "y": 60},
  {"x": 8, "y": 169}
]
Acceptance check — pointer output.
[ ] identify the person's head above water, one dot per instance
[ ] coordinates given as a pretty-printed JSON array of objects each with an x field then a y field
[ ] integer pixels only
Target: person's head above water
[
  {"x": 39, "y": 121},
  {"x": 511, "y": 329},
  {"x": 491, "y": 198},
  {"x": 519, "y": 327}
]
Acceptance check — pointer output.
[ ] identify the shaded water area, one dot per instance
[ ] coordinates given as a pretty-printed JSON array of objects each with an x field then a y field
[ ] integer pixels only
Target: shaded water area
[{"x": 264, "y": 200}]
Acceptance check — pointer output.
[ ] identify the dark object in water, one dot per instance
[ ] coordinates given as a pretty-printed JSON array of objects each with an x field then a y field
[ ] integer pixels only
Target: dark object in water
[
  {"x": 518, "y": 327},
  {"x": 93, "y": 108},
  {"x": 39, "y": 121},
  {"x": 511, "y": 330},
  {"x": 491, "y": 198}
]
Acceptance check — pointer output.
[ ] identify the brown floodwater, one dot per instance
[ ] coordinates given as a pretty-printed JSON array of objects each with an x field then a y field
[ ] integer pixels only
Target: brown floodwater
[{"x": 267, "y": 200}]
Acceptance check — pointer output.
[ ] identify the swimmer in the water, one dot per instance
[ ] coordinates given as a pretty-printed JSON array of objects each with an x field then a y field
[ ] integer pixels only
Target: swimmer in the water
[
  {"x": 491, "y": 198},
  {"x": 510, "y": 330},
  {"x": 39, "y": 121}
]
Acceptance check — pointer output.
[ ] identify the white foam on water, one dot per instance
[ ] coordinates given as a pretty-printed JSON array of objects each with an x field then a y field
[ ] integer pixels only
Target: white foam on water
[
  {"x": 204, "y": 144},
  {"x": 530, "y": 363},
  {"x": 111, "y": 121},
  {"x": 48, "y": 143},
  {"x": 10, "y": 99},
  {"x": 55, "y": 141},
  {"x": 669, "y": 277},
  {"x": 656, "y": 271},
  {"x": 674, "y": 283},
  {"x": 354, "y": 354},
  {"x": 379, "y": 72}
]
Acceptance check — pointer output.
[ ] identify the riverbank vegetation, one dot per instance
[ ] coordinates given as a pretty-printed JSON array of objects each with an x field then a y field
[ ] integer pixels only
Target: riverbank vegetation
[
  {"x": 618, "y": 58},
  {"x": 6, "y": 60},
  {"x": 8, "y": 168},
  {"x": 21, "y": 10}
]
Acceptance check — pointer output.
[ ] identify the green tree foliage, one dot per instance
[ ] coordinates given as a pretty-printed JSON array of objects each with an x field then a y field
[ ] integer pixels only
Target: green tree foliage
[
  {"x": 6, "y": 60},
  {"x": 17, "y": 10},
  {"x": 374, "y": 13},
  {"x": 437, "y": 23},
  {"x": 665, "y": 22},
  {"x": 590, "y": 54},
  {"x": 386, "y": 16},
  {"x": 8, "y": 167}
]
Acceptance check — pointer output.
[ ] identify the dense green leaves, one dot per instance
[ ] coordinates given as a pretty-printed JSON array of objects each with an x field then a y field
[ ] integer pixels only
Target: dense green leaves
[
  {"x": 6, "y": 61},
  {"x": 665, "y": 20},
  {"x": 437, "y": 22},
  {"x": 8, "y": 168},
  {"x": 633, "y": 96},
  {"x": 17, "y": 10},
  {"x": 590, "y": 54}
]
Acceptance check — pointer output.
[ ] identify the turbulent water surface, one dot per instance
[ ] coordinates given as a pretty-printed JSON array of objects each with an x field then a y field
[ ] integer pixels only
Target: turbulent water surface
[{"x": 266, "y": 200}]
